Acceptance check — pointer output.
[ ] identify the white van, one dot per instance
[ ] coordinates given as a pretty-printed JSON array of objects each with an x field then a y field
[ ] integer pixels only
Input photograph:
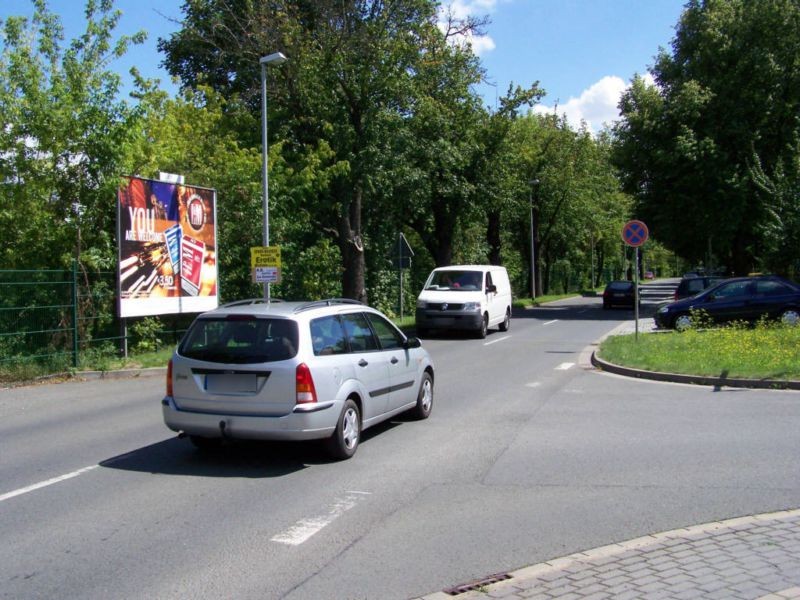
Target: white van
[{"x": 466, "y": 297}]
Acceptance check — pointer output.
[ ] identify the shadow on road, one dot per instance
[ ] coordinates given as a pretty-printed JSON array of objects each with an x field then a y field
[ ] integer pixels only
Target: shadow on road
[{"x": 248, "y": 459}]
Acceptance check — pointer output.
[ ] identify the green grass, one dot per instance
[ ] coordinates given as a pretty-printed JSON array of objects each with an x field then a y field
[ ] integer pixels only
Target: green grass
[
  {"x": 26, "y": 370},
  {"x": 762, "y": 352}
]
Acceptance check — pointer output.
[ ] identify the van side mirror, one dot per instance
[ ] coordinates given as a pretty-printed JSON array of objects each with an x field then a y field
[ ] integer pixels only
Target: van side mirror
[{"x": 491, "y": 288}]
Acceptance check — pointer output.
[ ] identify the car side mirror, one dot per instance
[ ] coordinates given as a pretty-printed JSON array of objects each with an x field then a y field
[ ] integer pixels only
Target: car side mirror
[
  {"x": 412, "y": 342},
  {"x": 491, "y": 288}
]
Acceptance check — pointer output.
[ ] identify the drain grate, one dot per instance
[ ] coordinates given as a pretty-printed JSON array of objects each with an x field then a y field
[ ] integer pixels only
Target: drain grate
[{"x": 477, "y": 584}]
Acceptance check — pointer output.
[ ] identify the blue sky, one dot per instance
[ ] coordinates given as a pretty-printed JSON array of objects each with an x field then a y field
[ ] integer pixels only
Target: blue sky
[{"x": 583, "y": 52}]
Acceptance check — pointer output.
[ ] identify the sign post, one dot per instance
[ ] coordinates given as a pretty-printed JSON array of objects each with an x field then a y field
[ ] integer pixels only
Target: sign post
[
  {"x": 634, "y": 234},
  {"x": 404, "y": 254}
]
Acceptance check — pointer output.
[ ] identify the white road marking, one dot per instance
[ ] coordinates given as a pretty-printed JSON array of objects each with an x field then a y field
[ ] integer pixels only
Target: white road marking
[
  {"x": 497, "y": 340},
  {"x": 305, "y": 528},
  {"x": 551, "y": 322},
  {"x": 42, "y": 484},
  {"x": 533, "y": 384},
  {"x": 564, "y": 366}
]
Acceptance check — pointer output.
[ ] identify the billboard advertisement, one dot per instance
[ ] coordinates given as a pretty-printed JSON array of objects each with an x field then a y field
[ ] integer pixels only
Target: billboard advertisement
[{"x": 167, "y": 242}]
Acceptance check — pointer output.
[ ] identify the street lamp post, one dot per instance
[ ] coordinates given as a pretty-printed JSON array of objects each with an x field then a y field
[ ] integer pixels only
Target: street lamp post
[
  {"x": 276, "y": 58},
  {"x": 532, "y": 182}
]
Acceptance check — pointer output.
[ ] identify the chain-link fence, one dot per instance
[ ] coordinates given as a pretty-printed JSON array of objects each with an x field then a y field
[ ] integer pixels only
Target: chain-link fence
[{"x": 64, "y": 319}]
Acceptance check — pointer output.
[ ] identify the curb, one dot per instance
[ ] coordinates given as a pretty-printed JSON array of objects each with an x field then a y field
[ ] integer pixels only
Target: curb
[{"x": 765, "y": 384}]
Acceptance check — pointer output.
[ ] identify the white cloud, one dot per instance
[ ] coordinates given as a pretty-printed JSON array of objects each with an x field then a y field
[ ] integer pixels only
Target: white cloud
[{"x": 596, "y": 105}]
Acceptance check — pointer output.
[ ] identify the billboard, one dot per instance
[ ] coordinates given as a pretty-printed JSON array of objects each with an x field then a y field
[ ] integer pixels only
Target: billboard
[{"x": 167, "y": 242}]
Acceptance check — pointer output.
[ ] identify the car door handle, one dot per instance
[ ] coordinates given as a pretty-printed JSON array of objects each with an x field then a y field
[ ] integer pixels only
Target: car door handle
[
  {"x": 394, "y": 360},
  {"x": 362, "y": 363}
]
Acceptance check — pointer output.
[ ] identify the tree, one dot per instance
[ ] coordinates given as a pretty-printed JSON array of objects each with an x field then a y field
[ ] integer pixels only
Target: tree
[
  {"x": 726, "y": 94},
  {"x": 346, "y": 85},
  {"x": 64, "y": 138}
]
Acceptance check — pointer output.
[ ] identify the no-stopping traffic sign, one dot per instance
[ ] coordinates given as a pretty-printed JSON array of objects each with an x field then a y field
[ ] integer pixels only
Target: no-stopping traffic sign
[{"x": 635, "y": 233}]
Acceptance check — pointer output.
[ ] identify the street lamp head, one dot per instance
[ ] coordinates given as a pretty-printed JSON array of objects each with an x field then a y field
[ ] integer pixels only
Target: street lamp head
[
  {"x": 276, "y": 58},
  {"x": 534, "y": 182}
]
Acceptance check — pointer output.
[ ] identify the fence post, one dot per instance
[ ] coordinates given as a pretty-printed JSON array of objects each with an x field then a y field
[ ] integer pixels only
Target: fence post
[{"x": 75, "y": 313}]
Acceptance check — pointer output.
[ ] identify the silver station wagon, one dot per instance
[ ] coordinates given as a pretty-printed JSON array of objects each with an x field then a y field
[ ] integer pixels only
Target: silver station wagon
[{"x": 294, "y": 371}]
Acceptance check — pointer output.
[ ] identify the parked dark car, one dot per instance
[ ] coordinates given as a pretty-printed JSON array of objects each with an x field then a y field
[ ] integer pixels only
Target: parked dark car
[
  {"x": 619, "y": 293},
  {"x": 691, "y": 286},
  {"x": 741, "y": 298}
]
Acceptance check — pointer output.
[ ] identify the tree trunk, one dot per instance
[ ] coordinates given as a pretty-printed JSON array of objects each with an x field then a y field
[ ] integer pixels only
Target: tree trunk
[{"x": 352, "y": 247}]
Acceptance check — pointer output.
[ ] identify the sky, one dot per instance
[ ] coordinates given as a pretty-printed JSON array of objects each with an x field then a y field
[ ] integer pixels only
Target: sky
[{"x": 582, "y": 52}]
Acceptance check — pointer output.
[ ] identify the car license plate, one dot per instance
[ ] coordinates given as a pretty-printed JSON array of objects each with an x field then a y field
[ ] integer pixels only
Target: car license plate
[{"x": 231, "y": 383}]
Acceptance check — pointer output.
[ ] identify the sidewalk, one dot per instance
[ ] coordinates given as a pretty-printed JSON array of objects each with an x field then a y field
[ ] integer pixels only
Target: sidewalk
[{"x": 747, "y": 558}]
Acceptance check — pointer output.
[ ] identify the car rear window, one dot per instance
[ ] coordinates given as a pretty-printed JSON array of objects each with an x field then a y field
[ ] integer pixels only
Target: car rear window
[
  {"x": 240, "y": 340},
  {"x": 620, "y": 286}
]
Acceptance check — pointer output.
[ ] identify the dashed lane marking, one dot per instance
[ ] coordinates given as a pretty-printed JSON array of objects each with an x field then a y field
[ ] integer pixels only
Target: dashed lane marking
[
  {"x": 564, "y": 366},
  {"x": 305, "y": 528},
  {"x": 41, "y": 484},
  {"x": 502, "y": 339},
  {"x": 550, "y": 322}
]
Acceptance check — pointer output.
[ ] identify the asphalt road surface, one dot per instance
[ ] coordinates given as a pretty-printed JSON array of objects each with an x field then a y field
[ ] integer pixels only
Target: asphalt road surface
[{"x": 527, "y": 456}]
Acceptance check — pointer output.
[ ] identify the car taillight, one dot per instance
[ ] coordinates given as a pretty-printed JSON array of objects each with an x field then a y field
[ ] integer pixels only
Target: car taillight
[
  {"x": 306, "y": 393},
  {"x": 675, "y": 296},
  {"x": 169, "y": 378}
]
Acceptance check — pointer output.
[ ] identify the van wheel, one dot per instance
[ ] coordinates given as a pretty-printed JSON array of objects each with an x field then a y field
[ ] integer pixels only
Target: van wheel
[
  {"x": 424, "y": 399},
  {"x": 344, "y": 441},
  {"x": 507, "y": 321},
  {"x": 484, "y": 328}
]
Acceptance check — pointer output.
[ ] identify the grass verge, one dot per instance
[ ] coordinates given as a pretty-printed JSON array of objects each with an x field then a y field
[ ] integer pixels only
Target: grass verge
[{"x": 761, "y": 352}]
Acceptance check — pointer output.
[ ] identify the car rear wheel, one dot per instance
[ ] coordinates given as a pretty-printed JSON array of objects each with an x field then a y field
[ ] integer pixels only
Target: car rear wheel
[
  {"x": 424, "y": 399},
  {"x": 682, "y": 322},
  {"x": 344, "y": 441},
  {"x": 790, "y": 316},
  {"x": 506, "y": 321},
  {"x": 422, "y": 332}
]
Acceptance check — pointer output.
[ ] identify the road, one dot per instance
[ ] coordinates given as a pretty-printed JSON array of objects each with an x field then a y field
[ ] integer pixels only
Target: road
[{"x": 527, "y": 456}]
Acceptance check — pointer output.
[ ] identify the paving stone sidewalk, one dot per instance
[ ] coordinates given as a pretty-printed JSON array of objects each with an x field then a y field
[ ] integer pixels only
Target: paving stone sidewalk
[{"x": 748, "y": 558}]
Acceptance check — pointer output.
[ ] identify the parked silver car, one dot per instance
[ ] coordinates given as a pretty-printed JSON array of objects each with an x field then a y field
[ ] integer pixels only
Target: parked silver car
[{"x": 294, "y": 371}]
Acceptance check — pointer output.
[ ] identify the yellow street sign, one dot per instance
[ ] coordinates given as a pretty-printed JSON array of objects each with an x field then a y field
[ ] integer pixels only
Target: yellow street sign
[{"x": 265, "y": 256}]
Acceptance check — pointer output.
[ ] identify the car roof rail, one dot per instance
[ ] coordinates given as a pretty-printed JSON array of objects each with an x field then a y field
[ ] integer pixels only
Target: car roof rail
[
  {"x": 251, "y": 301},
  {"x": 327, "y": 302}
]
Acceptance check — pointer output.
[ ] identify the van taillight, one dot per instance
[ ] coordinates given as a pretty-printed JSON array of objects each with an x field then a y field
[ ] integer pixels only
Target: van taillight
[
  {"x": 169, "y": 378},
  {"x": 306, "y": 393}
]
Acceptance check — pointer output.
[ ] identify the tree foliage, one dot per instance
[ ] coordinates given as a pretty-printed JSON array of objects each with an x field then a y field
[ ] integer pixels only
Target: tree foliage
[
  {"x": 64, "y": 138},
  {"x": 723, "y": 113}
]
